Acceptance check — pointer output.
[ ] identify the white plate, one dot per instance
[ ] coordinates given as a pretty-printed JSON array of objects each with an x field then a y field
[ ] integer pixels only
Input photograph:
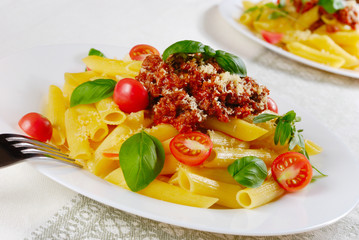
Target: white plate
[
  {"x": 232, "y": 10},
  {"x": 25, "y": 78}
]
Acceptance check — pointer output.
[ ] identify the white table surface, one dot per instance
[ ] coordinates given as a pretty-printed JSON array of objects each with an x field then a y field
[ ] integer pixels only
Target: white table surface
[{"x": 32, "y": 206}]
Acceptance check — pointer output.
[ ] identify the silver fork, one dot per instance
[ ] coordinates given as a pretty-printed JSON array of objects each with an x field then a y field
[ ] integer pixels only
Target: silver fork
[{"x": 15, "y": 148}]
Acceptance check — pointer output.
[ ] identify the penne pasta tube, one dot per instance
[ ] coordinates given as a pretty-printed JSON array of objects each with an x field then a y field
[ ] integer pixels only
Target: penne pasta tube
[
  {"x": 55, "y": 112},
  {"x": 221, "y": 139},
  {"x": 90, "y": 118},
  {"x": 77, "y": 136},
  {"x": 110, "y": 112},
  {"x": 345, "y": 37},
  {"x": 325, "y": 42},
  {"x": 112, "y": 67},
  {"x": 164, "y": 191},
  {"x": 315, "y": 55},
  {"x": 254, "y": 197},
  {"x": 226, "y": 193},
  {"x": 236, "y": 128},
  {"x": 305, "y": 20},
  {"x": 162, "y": 131},
  {"x": 218, "y": 174},
  {"x": 223, "y": 157}
]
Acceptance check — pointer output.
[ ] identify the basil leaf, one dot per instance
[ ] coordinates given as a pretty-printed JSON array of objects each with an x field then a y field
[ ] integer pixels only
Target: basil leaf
[
  {"x": 231, "y": 63},
  {"x": 159, "y": 148},
  {"x": 92, "y": 91},
  {"x": 264, "y": 117},
  {"x": 95, "y": 52},
  {"x": 140, "y": 161},
  {"x": 227, "y": 61},
  {"x": 289, "y": 116},
  {"x": 248, "y": 171},
  {"x": 331, "y": 6},
  {"x": 185, "y": 46}
]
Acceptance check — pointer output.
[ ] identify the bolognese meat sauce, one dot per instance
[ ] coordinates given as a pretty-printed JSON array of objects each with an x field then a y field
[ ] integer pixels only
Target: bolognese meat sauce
[{"x": 186, "y": 89}]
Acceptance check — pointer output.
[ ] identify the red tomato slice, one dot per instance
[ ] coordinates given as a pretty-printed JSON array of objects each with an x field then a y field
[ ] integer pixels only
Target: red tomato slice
[
  {"x": 141, "y": 51},
  {"x": 36, "y": 126},
  {"x": 272, "y": 105},
  {"x": 130, "y": 95},
  {"x": 292, "y": 170},
  {"x": 191, "y": 148},
  {"x": 272, "y": 37}
]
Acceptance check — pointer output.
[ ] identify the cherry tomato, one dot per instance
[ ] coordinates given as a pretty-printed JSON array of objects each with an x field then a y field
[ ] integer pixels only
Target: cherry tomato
[
  {"x": 130, "y": 95},
  {"x": 191, "y": 148},
  {"x": 292, "y": 170},
  {"x": 272, "y": 37},
  {"x": 272, "y": 105},
  {"x": 36, "y": 126},
  {"x": 141, "y": 51}
]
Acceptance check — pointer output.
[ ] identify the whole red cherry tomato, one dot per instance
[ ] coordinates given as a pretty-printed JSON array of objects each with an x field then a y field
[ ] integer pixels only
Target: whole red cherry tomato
[
  {"x": 130, "y": 95},
  {"x": 36, "y": 126}
]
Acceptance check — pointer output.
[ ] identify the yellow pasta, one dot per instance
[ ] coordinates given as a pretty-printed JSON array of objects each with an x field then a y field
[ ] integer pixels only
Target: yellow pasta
[
  {"x": 226, "y": 193},
  {"x": 109, "y": 112},
  {"x": 55, "y": 112},
  {"x": 222, "y": 157},
  {"x": 322, "y": 41},
  {"x": 236, "y": 128},
  {"x": 307, "y": 31},
  {"x": 255, "y": 197},
  {"x": 112, "y": 67},
  {"x": 164, "y": 191},
  {"x": 315, "y": 55}
]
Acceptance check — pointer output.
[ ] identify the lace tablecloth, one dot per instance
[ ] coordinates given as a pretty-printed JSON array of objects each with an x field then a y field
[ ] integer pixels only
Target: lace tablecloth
[{"x": 34, "y": 207}]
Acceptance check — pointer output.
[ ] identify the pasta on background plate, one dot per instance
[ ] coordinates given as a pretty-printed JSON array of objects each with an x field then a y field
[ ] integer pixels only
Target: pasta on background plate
[
  {"x": 189, "y": 127},
  {"x": 326, "y": 32}
]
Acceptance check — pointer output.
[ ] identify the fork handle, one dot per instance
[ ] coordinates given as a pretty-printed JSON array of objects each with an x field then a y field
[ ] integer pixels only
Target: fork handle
[{"x": 7, "y": 159}]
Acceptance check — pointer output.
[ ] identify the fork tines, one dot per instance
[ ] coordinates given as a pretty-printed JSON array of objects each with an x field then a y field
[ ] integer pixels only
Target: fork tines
[{"x": 29, "y": 148}]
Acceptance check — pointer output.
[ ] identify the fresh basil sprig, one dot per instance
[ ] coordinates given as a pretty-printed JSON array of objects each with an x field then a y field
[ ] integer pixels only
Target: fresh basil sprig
[
  {"x": 92, "y": 91},
  {"x": 141, "y": 158},
  {"x": 286, "y": 131},
  {"x": 331, "y": 6},
  {"x": 249, "y": 171},
  {"x": 227, "y": 61}
]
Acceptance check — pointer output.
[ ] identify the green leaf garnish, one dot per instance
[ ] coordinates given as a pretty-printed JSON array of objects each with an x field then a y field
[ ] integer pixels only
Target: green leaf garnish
[
  {"x": 286, "y": 131},
  {"x": 92, "y": 91},
  {"x": 95, "y": 52},
  {"x": 141, "y": 158},
  {"x": 331, "y": 6},
  {"x": 227, "y": 61},
  {"x": 249, "y": 171}
]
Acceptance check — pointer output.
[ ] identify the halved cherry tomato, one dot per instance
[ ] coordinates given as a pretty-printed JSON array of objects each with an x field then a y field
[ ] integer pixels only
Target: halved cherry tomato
[
  {"x": 272, "y": 37},
  {"x": 292, "y": 170},
  {"x": 36, "y": 126},
  {"x": 272, "y": 105},
  {"x": 191, "y": 148},
  {"x": 141, "y": 51},
  {"x": 130, "y": 95}
]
